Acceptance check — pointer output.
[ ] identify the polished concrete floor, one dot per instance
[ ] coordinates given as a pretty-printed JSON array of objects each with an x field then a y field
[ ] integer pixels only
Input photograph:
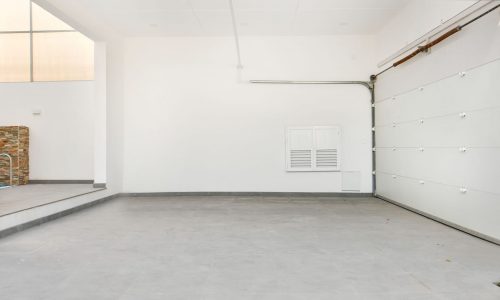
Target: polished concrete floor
[
  {"x": 18, "y": 198},
  {"x": 247, "y": 248}
]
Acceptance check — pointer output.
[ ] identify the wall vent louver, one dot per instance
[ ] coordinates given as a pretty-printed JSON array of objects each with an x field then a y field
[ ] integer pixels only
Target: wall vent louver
[
  {"x": 300, "y": 159},
  {"x": 326, "y": 158},
  {"x": 315, "y": 148}
]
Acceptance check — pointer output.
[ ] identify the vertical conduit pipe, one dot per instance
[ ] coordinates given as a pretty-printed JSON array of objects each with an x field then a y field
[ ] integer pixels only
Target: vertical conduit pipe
[{"x": 236, "y": 36}]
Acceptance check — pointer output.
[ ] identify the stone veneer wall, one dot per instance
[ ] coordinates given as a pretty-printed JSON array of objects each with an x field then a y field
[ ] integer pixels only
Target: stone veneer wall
[{"x": 14, "y": 140}]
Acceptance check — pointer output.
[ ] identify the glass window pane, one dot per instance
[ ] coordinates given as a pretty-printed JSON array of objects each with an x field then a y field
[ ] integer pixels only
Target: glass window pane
[
  {"x": 43, "y": 20},
  {"x": 14, "y": 15},
  {"x": 62, "y": 56},
  {"x": 14, "y": 57}
]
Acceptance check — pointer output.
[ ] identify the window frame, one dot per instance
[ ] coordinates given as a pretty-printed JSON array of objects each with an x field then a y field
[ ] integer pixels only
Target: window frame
[{"x": 31, "y": 32}]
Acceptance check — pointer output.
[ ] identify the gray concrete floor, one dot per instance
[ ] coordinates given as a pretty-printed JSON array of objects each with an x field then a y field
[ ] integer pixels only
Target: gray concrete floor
[
  {"x": 247, "y": 248},
  {"x": 23, "y": 197}
]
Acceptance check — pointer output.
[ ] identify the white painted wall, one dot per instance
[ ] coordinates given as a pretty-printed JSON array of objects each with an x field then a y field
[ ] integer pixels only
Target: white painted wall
[
  {"x": 441, "y": 166},
  {"x": 100, "y": 111},
  {"x": 190, "y": 125},
  {"x": 114, "y": 116},
  {"x": 62, "y": 137}
]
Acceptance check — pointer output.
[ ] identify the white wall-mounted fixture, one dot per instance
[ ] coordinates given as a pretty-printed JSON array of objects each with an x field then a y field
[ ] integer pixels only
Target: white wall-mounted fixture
[
  {"x": 36, "y": 112},
  {"x": 314, "y": 148}
]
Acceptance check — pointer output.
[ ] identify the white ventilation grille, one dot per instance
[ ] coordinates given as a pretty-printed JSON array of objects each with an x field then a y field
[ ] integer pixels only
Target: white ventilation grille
[
  {"x": 326, "y": 158},
  {"x": 314, "y": 148},
  {"x": 300, "y": 159}
]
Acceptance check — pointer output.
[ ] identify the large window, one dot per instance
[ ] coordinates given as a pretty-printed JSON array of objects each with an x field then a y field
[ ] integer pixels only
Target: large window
[{"x": 37, "y": 46}]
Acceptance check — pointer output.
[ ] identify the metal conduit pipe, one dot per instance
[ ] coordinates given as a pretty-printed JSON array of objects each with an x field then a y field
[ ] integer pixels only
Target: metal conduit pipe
[
  {"x": 370, "y": 85},
  {"x": 10, "y": 166},
  {"x": 236, "y": 35},
  {"x": 366, "y": 84}
]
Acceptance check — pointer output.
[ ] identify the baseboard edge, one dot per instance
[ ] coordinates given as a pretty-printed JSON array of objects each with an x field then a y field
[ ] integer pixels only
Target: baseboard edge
[{"x": 248, "y": 194}]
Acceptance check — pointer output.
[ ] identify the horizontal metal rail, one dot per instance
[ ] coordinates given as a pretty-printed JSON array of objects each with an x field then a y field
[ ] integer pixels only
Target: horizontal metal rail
[
  {"x": 428, "y": 46},
  {"x": 366, "y": 84},
  {"x": 446, "y": 26}
]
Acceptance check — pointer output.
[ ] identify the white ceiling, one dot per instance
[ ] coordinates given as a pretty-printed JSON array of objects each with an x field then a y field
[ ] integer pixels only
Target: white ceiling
[{"x": 254, "y": 17}]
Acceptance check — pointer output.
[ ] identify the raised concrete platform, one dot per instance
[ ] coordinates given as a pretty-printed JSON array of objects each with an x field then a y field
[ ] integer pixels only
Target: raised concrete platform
[
  {"x": 25, "y": 206},
  {"x": 19, "y": 198}
]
